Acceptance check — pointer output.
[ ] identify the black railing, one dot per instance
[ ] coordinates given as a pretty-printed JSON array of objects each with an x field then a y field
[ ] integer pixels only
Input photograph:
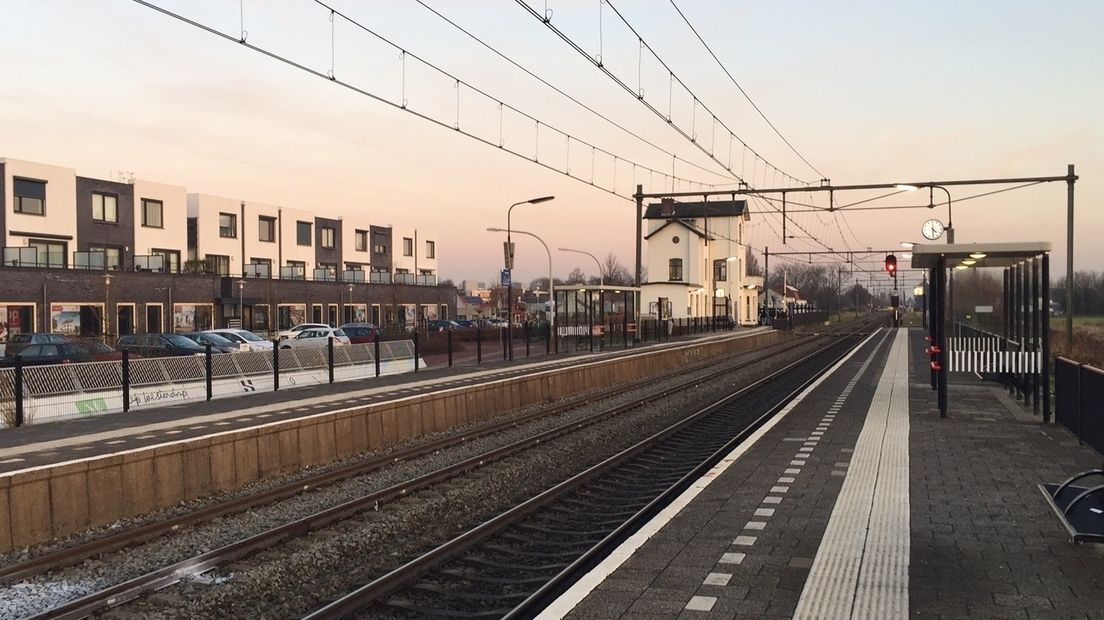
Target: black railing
[{"x": 1078, "y": 394}]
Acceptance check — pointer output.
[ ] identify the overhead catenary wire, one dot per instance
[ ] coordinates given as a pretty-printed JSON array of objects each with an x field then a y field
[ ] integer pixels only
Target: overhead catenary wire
[
  {"x": 636, "y": 93},
  {"x": 563, "y": 93},
  {"x": 402, "y": 104},
  {"x": 743, "y": 92}
]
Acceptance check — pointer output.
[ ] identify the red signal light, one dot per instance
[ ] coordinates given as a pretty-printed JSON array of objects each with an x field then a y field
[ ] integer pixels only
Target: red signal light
[{"x": 891, "y": 265}]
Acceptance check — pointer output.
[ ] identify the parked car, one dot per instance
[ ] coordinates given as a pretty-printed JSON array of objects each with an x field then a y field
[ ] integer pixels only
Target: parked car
[
  {"x": 468, "y": 324},
  {"x": 315, "y": 337},
  {"x": 217, "y": 342},
  {"x": 360, "y": 333},
  {"x": 160, "y": 345},
  {"x": 18, "y": 341},
  {"x": 66, "y": 352},
  {"x": 288, "y": 333},
  {"x": 252, "y": 341},
  {"x": 100, "y": 352},
  {"x": 440, "y": 325}
]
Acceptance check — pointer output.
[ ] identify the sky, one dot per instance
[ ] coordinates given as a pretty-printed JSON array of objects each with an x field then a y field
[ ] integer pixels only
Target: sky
[{"x": 867, "y": 91}]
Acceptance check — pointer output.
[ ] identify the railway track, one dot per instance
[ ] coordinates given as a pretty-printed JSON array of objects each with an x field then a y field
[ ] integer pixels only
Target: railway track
[
  {"x": 206, "y": 561},
  {"x": 515, "y": 564}
]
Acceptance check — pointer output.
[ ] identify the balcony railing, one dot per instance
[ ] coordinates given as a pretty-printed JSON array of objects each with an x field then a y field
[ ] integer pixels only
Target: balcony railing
[
  {"x": 324, "y": 274},
  {"x": 20, "y": 256},
  {"x": 149, "y": 262},
  {"x": 289, "y": 272},
  {"x": 258, "y": 270}
]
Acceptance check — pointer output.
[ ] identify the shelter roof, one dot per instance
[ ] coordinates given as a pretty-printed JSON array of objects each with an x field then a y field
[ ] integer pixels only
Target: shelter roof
[{"x": 926, "y": 256}]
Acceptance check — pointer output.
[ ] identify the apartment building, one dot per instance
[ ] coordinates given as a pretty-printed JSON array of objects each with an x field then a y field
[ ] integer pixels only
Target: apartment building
[{"x": 106, "y": 257}]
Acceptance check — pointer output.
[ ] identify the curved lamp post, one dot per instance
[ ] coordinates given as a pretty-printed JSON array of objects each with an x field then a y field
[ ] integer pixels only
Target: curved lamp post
[
  {"x": 510, "y": 265},
  {"x": 551, "y": 285}
]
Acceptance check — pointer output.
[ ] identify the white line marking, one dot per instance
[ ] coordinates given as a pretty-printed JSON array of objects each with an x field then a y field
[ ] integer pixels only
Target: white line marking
[{"x": 577, "y": 592}]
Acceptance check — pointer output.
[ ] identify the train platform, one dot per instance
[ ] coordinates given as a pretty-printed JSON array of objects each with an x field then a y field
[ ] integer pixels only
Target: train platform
[
  {"x": 858, "y": 500},
  {"x": 43, "y": 444}
]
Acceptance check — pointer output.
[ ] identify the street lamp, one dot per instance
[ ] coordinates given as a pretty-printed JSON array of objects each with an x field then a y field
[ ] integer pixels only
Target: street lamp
[
  {"x": 241, "y": 315},
  {"x": 551, "y": 284},
  {"x": 601, "y": 276},
  {"x": 349, "y": 302},
  {"x": 510, "y": 265},
  {"x": 107, "y": 298}
]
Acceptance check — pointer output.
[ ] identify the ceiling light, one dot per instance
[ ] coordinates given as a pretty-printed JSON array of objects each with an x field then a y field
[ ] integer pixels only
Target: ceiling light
[
  {"x": 961, "y": 267},
  {"x": 968, "y": 261},
  {"x": 978, "y": 255}
]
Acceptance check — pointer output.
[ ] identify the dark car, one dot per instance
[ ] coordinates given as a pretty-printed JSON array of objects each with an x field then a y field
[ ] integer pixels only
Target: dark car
[
  {"x": 52, "y": 353},
  {"x": 217, "y": 342},
  {"x": 18, "y": 341},
  {"x": 439, "y": 325},
  {"x": 468, "y": 324},
  {"x": 99, "y": 352},
  {"x": 160, "y": 345},
  {"x": 360, "y": 333}
]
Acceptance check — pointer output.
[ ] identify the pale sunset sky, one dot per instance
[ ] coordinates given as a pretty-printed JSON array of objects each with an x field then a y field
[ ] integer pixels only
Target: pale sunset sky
[{"x": 868, "y": 91}]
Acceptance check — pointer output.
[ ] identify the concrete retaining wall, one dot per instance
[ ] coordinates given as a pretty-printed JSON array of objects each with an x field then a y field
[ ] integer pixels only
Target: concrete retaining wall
[{"x": 41, "y": 504}]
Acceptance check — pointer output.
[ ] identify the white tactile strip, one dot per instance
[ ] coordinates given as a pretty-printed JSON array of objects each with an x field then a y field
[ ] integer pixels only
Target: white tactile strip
[
  {"x": 861, "y": 568},
  {"x": 577, "y": 592}
]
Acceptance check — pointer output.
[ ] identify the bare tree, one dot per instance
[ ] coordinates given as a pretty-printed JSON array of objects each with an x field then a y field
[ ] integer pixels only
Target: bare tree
[
  {"x": 576, "y": 277},
  {"x": 615, "y": 273},
  {"x": 752, "y": 265}
]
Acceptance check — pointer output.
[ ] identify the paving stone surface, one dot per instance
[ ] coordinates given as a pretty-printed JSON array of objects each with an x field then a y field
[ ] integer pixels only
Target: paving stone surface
[
  {"x": 984, "y": 542},
  {"x": 727, "y": 529}
]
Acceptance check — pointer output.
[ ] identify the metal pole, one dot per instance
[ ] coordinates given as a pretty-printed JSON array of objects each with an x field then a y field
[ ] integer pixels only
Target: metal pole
[
  {"x": 415, "y": 351},
  {"x": 1046, "y": 336},
  {"x": 329, "y": 357},
  {"x": 376, "y": 353},
  {"x": 1005, "y": 323},
  {"x": 126, "y": 380},
  {"x": 1025, "y": 326},
  {"x": 478, "y": 345},
  {"x": 640, "y": 223},
  {"x": 1035, "y": 384},
  {"x": 1070, "y": 179},
  {"x": 942, "y": 341},
  {"x": 18, "y": 391},
  {"x": 450, "y": 348},
  {"x": 207, "y": 367},
  {"x": 275, "y": 365}
]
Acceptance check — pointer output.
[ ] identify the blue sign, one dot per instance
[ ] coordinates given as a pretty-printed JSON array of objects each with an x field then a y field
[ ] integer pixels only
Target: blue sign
[{"x": 506, "y": 277}]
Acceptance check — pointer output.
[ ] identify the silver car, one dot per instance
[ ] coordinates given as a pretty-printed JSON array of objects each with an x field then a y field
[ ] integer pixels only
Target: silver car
[
  {"x": 247, "y": 340},
  {"x": 315, "y": 337}
]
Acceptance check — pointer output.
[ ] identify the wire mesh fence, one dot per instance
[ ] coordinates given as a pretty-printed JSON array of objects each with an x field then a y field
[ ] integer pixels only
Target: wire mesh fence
[{"x": 33, "y": 394}]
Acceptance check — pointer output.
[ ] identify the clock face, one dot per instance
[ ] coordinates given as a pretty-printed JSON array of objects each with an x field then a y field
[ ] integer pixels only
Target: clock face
[{"x": 933, "y": 229}]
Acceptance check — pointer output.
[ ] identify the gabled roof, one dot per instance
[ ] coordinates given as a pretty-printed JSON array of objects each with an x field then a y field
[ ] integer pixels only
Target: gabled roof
[
  {"x": 679, "y": 222},
  {"x": 669, "y": 209}
]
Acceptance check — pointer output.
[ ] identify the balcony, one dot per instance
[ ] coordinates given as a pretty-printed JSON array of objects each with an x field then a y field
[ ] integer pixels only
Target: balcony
[
  {"x": 380, "y": 277},
  {"x": 18, "y": 256},
  {"x": 149, "y": 262},
  {"x": 293, "y": 272},
  {"x": 404, "y": 278},
  {"x": 352, "y": 275},
  {"x": 427, "y": 279},
  {"x": 324, "y": 274},
  {"x": 258, "y": 270}
]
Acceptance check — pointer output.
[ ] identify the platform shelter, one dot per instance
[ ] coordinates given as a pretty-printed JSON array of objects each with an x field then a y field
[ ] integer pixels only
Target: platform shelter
[
  {"x": 594, "y": 317},
  {"x": 1020, "y": 355}
]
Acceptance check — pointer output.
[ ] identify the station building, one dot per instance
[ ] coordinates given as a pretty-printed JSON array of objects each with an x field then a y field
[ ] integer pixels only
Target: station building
[
  {"x": 697, "y": 262},
  {"x": 95, "y": 257}
]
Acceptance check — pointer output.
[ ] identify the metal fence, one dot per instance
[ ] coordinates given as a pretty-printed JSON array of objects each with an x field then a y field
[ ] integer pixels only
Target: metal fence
[
  {"x": 32, "y": 394},
  {"x": 1079, "y": 401}
]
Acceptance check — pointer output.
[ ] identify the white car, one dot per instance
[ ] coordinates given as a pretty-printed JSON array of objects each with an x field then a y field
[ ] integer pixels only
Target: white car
[
  {"x": 315, "y": 337},
  {"x": 289, "y": 333},
  {"x": 247, "y": 340}
]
